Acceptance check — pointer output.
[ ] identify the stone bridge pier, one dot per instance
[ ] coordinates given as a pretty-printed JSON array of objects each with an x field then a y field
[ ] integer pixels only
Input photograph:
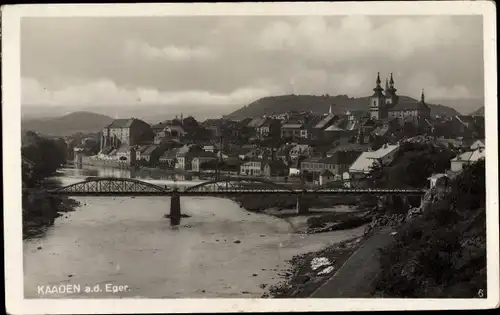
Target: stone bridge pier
[
  {"x": 175, "y": 209},
  {"x": 302, "y": 205}
]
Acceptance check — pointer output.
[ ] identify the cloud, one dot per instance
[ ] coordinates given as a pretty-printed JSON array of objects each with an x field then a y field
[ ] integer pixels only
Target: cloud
[
  {"x": 434, "y": 88},
  {"x": 241, "y": 58},
  {"x": 357, "y": 36},
  {"x": 136, "y": 49},
  {"x": 106, "y": 92}
]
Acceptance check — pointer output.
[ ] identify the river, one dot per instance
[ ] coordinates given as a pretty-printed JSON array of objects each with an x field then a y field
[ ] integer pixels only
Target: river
[{"x": 220, "y": 251}]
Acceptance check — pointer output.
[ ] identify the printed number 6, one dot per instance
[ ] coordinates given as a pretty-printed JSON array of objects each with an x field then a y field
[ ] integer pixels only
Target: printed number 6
[{"x": 480, "y": 293}]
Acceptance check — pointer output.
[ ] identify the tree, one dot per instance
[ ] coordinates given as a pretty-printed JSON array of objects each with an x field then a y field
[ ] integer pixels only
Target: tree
[
  {"x": 46, "y": 157},
  {"x": 441, "y": 253}
]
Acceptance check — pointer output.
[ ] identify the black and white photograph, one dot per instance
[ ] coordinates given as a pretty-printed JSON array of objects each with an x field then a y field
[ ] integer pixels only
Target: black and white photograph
[{"x": 250, "y": 156}]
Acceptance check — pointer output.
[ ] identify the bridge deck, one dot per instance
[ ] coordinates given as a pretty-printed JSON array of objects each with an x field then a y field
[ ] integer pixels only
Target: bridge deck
[
  {"x": 111, "y": 186},
  {"x": 230, "y": 192}
]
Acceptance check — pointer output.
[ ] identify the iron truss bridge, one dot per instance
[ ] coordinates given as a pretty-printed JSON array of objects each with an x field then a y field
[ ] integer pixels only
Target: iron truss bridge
[{"x": 112, "y": 186}]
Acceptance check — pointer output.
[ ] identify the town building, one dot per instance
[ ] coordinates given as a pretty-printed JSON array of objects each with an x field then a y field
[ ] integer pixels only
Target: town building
[
  {"x": 251, "y": 168},
  {"x": 301, "y": 150},
  {"x": 138, "y": 150},
  {"x": 274, "y": 168},
  {"x": 336, "y": 164},
  {"x": 283, "y": 153},
  {"x": 365, "y": 162},
  {"x": 312, "y": 165},
  {"x": 458, "y": 163},
  {"x": 293, "y": 131},
  {"x": 386, "y": 103},
  {"x": 200, "y": 159},
  {"x": 327, "y": 177},
  {"x": 294, "y": 169},
  {"x": 126, "y": 132},
  {"x": 125, "y": 153},
  {"x": 151, "y": 154},
  {"x": 269, "y": 128},
  {"x": 183, "y": 160},
  {"x": 478, "y": 144},
  {"x": 438, "y": 181},
  {"x": 169, "y": 158}
]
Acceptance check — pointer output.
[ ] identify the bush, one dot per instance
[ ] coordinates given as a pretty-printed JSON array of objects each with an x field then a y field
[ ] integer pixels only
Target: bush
[{"x": 443, "y": 252}]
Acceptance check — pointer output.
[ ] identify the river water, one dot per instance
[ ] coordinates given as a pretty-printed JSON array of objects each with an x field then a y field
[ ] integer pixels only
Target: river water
[{"x": 126, "y": 241}]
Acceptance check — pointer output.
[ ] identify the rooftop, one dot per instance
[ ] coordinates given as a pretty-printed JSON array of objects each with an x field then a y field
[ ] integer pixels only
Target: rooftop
[
  {"x": 409, "y": 106},
  {"x": 363, "y": 163},
  {"x": 150, "y": 149},
  {"x": 471, "y": 156},
  {"x": 292, "y": 126},
  {"x": 326, "y": 120},
  {"x": 121, "y": 123},
  {"x": 384, "y": 150}
]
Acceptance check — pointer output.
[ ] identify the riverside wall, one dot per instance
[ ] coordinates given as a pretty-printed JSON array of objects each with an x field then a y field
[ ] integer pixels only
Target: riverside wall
[{"x": 89, "y": 160}]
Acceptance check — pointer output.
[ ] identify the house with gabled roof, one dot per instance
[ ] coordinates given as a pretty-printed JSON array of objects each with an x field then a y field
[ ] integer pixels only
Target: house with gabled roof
[
  {"x": 293, "y": 130},
  {"x": 169, "y": 157},
  {"x": 152, "y": 154},
  {"x": 467, "y": 158},
  {"x": 201, "y": 158},
  {"x": 130, "y": 131},
  {"x": 478, "y": 144}
]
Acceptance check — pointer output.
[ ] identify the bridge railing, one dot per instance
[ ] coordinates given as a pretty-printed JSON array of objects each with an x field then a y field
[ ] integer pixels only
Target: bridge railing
[{"x": 226, "y": 185}]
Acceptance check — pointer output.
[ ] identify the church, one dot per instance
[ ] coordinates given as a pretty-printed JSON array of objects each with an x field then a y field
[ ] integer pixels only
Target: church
[{"x": 385, "y": 103}]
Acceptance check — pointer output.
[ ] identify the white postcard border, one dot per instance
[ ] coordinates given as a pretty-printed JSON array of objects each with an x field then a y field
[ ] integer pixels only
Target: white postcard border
[{"x": 15, "y": 301}]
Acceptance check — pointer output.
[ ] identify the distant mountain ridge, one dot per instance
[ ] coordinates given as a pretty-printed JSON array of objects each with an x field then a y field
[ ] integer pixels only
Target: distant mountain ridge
[
  {"x": 66, "y": 125},
  {"x": 478, "y": 112},
  {"x": 320, "y": 104}
]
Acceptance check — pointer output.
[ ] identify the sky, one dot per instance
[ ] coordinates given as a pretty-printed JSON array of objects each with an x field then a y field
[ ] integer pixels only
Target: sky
[{"x": 226, "y": 62}]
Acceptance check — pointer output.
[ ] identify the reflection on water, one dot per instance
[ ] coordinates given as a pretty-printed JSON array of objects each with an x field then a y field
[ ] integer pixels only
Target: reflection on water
[
  {"x": 130, "y": 173},
  {"x": 74, "y": 175}
]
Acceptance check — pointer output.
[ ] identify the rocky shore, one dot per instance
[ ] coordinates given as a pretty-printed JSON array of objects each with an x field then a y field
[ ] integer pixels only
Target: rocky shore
[{"x": 310, "y": 271}]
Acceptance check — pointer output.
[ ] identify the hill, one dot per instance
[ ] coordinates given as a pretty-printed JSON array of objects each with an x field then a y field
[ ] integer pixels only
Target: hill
[
  {"x": 464, "y": 105},
  {"x": 67, "y": 125},
  {"x": 478, "y": 112},
  {"x": 279, "y": 104}
]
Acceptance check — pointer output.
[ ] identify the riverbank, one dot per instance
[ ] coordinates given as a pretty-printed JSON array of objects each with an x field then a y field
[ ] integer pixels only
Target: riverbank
[
  {"x": 310, "y": 271},
  {"x": 324, "y": 215},
  {"x": 40, "y": 209}
]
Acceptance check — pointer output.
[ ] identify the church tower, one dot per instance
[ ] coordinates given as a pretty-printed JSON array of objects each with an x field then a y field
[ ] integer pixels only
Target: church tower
[
  {"x": 377, "y": 101},
  {"x": 424, "y": 109},
  {"x": 391, "y": 98}
]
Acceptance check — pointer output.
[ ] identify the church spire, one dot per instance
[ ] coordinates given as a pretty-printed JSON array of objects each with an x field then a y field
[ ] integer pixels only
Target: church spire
[
  {"x": 378, "y": 89},
  {"x": 422, "y": 97},
  {"x": 392, "y": 90}
]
